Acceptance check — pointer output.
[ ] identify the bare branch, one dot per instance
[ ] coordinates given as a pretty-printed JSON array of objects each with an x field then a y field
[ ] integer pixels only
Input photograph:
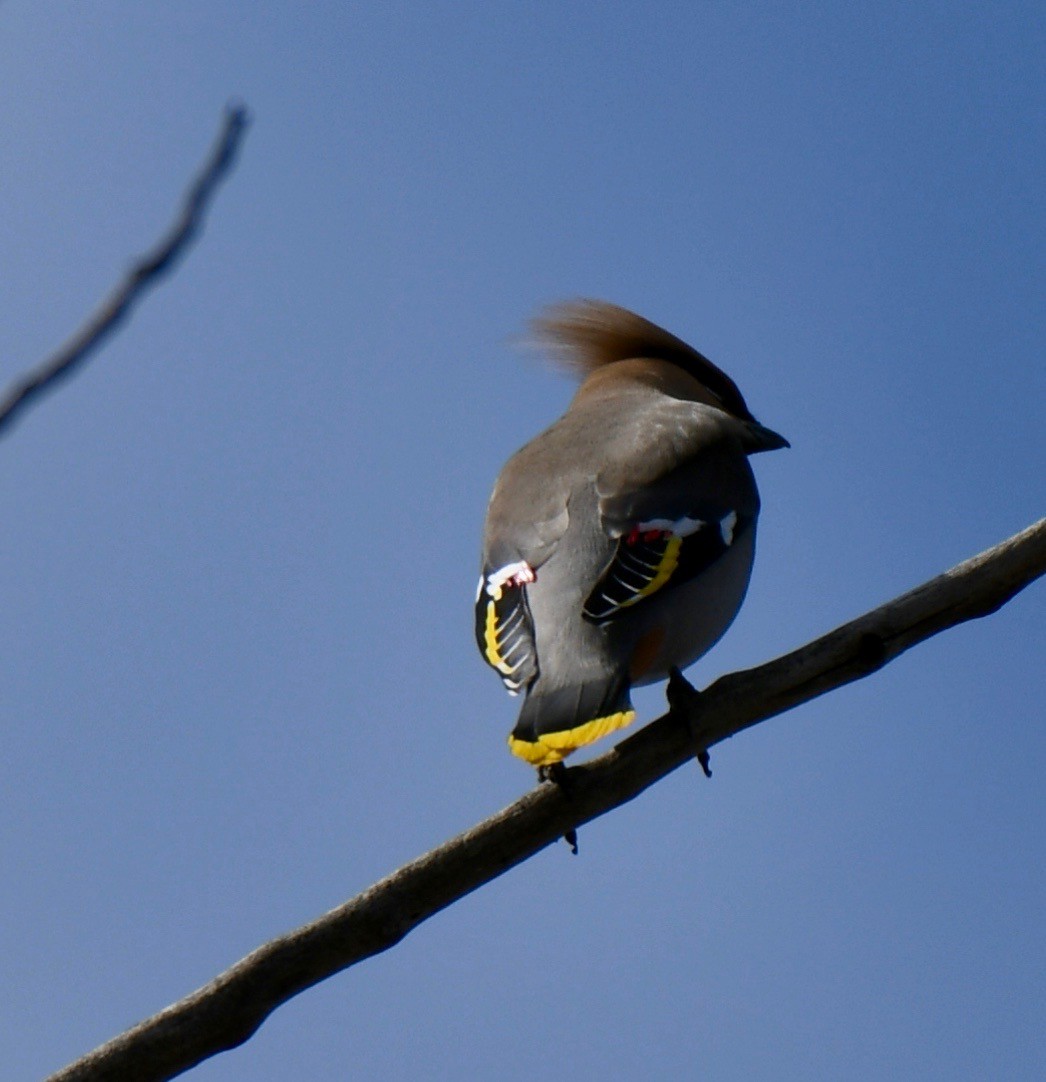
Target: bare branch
[
  {"x": 145, "y": 274},
  {"x": 225, "y": 1012}
]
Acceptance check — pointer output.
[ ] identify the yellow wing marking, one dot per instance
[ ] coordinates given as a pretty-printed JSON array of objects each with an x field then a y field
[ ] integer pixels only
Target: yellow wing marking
[
  {"x": 490, "y": 638},
  {"x": 665, "y": 569}
]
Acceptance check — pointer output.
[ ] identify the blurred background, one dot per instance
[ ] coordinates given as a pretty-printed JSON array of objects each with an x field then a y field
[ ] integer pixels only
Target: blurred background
[{"x": 237, "y": 675}]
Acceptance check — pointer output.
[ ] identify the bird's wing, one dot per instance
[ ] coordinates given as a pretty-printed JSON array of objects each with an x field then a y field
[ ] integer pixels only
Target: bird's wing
[
  {"x": 504, "y": 627},
  {"x": 526, "y": 519},
  {"x": 676, "y": 498}
]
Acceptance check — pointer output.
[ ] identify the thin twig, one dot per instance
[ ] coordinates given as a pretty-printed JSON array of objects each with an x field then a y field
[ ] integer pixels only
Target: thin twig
[
  {"x": 225, "y": 1012},
  {"x": 142, "y": 276}
]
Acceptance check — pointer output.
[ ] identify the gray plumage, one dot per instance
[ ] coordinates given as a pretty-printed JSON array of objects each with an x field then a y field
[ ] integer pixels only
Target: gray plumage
[{"x": 619, "y": 542}]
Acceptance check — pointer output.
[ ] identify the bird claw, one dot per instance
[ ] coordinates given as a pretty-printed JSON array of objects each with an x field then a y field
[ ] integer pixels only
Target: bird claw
[
  {"x": 682, "y": 695},
  {"x": 556, "y": 774},
  {"x": 685, "y": 699}
]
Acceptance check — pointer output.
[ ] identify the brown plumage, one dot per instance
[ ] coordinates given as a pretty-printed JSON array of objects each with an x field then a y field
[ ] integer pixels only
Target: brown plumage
[{"x": 583, "y": 335}]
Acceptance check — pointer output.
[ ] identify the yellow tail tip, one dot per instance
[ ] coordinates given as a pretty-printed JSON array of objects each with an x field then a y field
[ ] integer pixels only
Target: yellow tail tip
[{"x": 551, "y": 748}]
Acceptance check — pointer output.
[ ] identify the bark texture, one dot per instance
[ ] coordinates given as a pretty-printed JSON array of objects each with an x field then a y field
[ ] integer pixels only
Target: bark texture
[{"x": 225, "y": 1012}]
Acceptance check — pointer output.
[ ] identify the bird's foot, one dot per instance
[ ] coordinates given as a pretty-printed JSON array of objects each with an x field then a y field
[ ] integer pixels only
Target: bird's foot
[
  {"x": 556, "y": 774},
  {"x": 684, "y": 699}
]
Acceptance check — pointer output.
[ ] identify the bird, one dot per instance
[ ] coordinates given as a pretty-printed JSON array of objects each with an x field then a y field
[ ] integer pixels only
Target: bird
[{"x": 618, "y": 544}]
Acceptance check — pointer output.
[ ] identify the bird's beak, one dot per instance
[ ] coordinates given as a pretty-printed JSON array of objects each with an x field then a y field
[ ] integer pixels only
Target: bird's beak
[{"x": 766, "y": 439}]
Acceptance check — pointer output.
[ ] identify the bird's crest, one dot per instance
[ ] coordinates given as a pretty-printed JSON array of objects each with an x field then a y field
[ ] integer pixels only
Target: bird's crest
[{"x": 584, "y": 335}]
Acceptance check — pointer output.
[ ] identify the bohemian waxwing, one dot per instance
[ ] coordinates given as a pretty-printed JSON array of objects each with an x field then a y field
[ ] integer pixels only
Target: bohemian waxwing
[{"x": 618, "y": 544}]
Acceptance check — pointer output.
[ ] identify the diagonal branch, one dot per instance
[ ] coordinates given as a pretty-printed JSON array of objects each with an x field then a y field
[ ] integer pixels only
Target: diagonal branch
[
  {"x": 142, "y": 276},
  {"x": 225, "y": 1012}
]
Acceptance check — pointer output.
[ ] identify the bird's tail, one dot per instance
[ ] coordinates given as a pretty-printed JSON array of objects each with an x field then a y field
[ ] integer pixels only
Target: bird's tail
[{"x": 555, "y": 722}]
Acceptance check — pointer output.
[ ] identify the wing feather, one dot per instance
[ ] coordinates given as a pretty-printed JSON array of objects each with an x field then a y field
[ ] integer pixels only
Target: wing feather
[
  {"x": 505, "y": 630},
  {"x": 674, "y": 506}
]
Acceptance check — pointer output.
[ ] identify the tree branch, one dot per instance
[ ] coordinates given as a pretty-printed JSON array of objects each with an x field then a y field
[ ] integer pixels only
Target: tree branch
[
  {"x": 225, "y": 1012},
  {"x": 142, "y": 276}
]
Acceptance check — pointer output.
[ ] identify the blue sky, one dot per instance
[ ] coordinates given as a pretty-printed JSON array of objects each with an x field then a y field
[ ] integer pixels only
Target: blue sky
[{"x": 239, "y": 552}]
